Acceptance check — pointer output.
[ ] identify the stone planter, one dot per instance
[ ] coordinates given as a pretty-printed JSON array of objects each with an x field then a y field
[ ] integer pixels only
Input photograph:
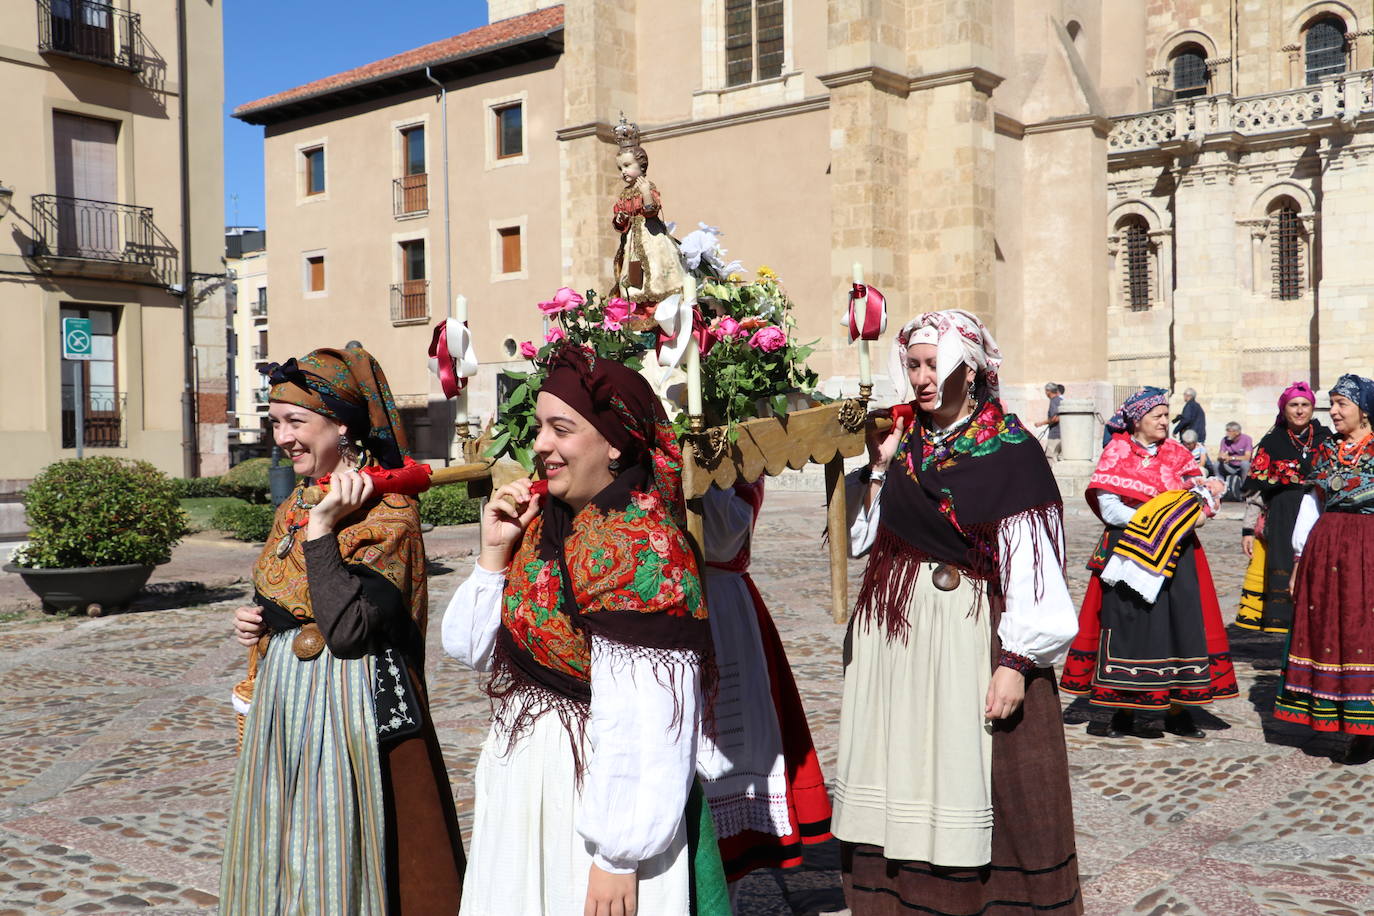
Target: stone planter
[{"x": 96, "y": 589}]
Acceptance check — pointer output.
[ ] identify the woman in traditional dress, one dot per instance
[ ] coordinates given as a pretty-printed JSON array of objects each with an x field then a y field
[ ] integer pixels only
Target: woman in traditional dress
[
  {"x": 760, "y": 773},
  {"x": 1328, "y": 684},
  {"x": 1150, "y": 635},
  {"x": 341, "y": 801},
  {"x": 952, "y": 785},
  {"x": 1273, "y": 489},
  {"x": 586, "y": 607},
  {"x": 647, "y": 265}
]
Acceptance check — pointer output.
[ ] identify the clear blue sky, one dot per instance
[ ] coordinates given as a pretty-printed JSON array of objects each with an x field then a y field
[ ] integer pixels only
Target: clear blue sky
[{"x": 271, "y": 45}]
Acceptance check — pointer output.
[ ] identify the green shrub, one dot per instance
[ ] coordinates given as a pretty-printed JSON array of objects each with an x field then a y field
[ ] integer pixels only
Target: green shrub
[
  {"x": 244, "y": 521},
  {"x": 448, "y": 505},
  {"x": 196, "y": 487},
  {"x": 199, "y": 510},
  {"x": 101, "y": 512},
  {"x": 248, "y": 480}
]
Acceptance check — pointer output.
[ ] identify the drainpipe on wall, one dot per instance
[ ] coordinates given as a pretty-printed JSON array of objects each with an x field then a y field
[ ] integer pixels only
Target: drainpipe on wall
[
  {"x": 448, "y": 244},
  {"x": 190, "y": 451}
]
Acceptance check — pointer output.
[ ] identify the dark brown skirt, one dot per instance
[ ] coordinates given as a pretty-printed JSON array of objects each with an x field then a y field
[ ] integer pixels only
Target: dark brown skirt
[
  {"x": 424, "y": 849},
  {"x": 1034, "y": 864}
]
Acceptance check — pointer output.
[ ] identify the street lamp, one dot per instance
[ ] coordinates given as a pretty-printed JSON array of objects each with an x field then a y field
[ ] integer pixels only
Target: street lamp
[{"x": 6, "y": 198}]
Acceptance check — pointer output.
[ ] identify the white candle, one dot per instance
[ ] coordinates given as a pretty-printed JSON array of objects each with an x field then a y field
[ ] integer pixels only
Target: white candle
[
  {"x": 460, "y": 308},
  {"x": 689, "y": 296},
  {"x": 865, "y": 364}
]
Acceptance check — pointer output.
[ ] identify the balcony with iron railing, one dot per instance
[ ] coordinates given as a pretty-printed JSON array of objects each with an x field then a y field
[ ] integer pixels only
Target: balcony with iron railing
[
  {"x": 410, "y": 195},
  {"x": 259, "y": 307},
  {"x": 103, "y": 417},
  {"x": 261, "y": 395},
  {"x": 259, "y": 352},
  {"x": 1333, "y": 102},
  {"x": 91, "y": 30},
  {"x": 410, "y": 302},
  {"x": 97, "y": 238}
]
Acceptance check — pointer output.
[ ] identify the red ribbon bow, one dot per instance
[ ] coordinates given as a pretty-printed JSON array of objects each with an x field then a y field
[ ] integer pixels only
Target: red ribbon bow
[
  {"x": 875, "y": 313},
  {"x": 449, "y": 380}
]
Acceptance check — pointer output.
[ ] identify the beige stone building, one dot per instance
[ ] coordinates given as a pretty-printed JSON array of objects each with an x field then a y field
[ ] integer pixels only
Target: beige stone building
[
  {"x": 245, "y": 262},
  {"x": 112, "y": 170},
  {"x": 985, "y": 154},
  {"x": 1239, "y": 205}
]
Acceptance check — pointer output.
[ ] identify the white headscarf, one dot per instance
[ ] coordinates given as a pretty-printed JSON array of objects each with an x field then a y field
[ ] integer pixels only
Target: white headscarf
[{"x": 960, "y": 339}]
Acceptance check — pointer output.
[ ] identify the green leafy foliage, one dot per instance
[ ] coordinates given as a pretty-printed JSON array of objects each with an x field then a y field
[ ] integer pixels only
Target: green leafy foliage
[
  {"x": 101, "y": 512},
  {"x": 249, "y": 481},
  {"x": 754, "y": 362},
  {"x": 197, "y": 487},
  {"x": 244, "y": 521},
  {"x": 448, "y": 505},
  {"x": 585, "y": 323},
  {"x": 201, "y": 509}
]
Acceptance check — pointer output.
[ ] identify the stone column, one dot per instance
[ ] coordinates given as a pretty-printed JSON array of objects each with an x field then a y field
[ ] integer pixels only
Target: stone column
[
  {"x": 868, "y": 86},
  {"x": 599, "y": 83}
]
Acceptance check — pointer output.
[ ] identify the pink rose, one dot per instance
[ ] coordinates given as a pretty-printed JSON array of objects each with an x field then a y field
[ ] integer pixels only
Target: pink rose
[
  {"x": 528, "y": 349},
  {"x": 610, "y": 323},
  {"x": 554, "y": 335},
  {"x": 617, "y": 310},
  {"x": 728, "y": 327},
  {"x": 659, "y": 542},
  {"x": 564, "y": 300},
  {"x": 768, "y": 339}
]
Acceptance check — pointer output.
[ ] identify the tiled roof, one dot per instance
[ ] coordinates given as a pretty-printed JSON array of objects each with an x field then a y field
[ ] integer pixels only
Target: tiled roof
[{"x": 494, "y": 35}]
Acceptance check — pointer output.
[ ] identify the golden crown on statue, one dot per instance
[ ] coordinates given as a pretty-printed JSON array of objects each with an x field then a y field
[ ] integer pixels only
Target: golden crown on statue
[{"x": 626, "y": 133}]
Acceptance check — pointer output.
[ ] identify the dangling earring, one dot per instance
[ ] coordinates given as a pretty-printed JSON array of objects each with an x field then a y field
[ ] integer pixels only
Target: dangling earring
[
  {"x": 347, "y": 451},
  {"x": 972, "y": 397},
  {"x": 614, "y": 466}
]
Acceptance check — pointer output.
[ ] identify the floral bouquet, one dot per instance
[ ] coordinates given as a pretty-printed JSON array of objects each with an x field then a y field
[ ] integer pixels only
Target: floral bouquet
[
  {"x": 749, "y": 361},
  {"x": 752, "y": 362},
  {"x": 587, "y": 321}
]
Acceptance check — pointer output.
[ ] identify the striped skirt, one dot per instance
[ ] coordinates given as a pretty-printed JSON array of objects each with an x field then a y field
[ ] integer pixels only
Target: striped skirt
[{"x": 307, "y": 826}]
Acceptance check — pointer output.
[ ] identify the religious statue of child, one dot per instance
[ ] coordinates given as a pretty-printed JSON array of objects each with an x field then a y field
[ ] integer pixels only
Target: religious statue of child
[{"x": 648, "y": 268}]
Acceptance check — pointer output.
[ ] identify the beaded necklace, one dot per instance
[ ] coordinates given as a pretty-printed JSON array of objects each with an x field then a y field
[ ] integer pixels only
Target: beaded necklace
[
  {"x": 1301, "y": 445},
  {"x": 288, "y": 540},
  {"x": 1348, "y": 455}
]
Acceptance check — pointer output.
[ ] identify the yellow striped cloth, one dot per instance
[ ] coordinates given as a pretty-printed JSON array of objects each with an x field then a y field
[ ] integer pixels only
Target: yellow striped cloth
[{"x": 1145, "y": 556}]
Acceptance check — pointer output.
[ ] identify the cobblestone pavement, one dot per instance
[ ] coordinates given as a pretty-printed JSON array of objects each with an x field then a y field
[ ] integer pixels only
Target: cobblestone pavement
[{"x": 119, "y": 746}]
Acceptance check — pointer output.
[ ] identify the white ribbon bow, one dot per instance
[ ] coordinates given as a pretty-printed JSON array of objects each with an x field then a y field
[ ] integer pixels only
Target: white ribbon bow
[
  {"x": 674, "y": 316},
  {"x": 461, "y": 352}
]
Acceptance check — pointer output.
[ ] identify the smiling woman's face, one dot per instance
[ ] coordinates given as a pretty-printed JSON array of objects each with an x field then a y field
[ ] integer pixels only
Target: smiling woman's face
[
  {"x": 574, "y": 455},
  {"x": 310, "y": 440}
]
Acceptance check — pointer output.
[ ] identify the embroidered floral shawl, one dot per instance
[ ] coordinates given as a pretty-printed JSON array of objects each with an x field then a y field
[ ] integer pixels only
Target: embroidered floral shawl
[
  {"x": 1279, "y": 462},
  {"x": 1127, "y": 469},
  {"x": 1345, "y": 487},
  {"x": 946, "y": 502}
]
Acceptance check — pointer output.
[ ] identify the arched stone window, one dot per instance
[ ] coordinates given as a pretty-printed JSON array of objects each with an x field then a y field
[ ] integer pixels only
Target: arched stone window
[
  {"x": 1138, "y": 263},
  {"x": 1191, "y": 75},
  {"x": 1325, "y": 49},
  {"x": 1288, "y": 250}
]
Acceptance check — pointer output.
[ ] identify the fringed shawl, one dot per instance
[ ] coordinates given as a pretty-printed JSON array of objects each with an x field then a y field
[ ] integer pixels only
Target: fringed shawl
[{"x": 947, "y": 503}]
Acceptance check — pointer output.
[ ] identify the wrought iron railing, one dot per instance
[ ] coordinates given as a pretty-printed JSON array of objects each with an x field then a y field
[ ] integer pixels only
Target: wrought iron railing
[
  {"x": 260, "y": 395},
  {"x": 259, "y": 307},
  {"x": 259, "y": 352},
  {"x": 410, "y": 194},
  {"x": 91, "y": 30},
  {"x": 73, "y": 227},
  {"x": 410, "y": 301},
  {"x": 103, "y": 418}
]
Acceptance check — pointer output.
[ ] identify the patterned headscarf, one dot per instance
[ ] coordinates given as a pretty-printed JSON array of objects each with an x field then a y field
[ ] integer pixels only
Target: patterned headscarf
[
  {"x": 1295, "y": 390},
  {"x": 1137, "y": 406},
  {"x": 350, "y": 388},
  {"x": 1356, "y": 388},
  {"x": 960, "y": 339}
]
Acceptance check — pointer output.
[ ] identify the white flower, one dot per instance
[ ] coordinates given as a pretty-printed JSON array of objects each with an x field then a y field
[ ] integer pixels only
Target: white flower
[{"x": 704, "y": 245}]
